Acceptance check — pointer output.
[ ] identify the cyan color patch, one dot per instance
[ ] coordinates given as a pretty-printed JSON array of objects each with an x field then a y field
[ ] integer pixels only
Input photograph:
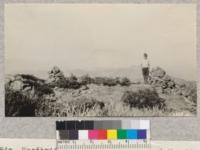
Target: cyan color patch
[{"x": 131, "y": 134}]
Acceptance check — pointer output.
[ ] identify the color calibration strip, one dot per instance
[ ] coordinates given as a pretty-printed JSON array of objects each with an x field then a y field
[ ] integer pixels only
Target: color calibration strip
[{"x": 103, "y": 130}]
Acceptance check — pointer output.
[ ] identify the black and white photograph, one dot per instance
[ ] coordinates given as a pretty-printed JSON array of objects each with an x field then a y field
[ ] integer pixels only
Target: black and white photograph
[{"x": 100, "y": 60}]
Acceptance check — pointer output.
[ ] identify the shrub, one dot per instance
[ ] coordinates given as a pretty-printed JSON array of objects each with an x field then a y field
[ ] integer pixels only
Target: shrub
[
  {"x": 72, "y": 82},
  {"x": 106, "y": 81},
  {"x": 110, "y": 81},
  {"x": 124, "y": 82},
  {"x": 46, "y": 107},
  {"x": 30, "y": 77},
  {"x": 98, "y": 80},
  {"x": 17, "y": 104},
  {"x": 145, "y": 98},
  {"x": 44, "y": 89},
  {"x": 62, "y": 83},
  {"x": 72, "y": 78},
  {"x": 85, "y": 79}
]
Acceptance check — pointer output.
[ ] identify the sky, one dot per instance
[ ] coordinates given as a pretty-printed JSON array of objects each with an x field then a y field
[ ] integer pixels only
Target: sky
[{"x": 106, "y": 36}]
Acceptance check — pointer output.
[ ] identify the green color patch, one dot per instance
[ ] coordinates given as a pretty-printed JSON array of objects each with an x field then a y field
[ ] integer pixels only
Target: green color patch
[{"x": 121, "y": 134}]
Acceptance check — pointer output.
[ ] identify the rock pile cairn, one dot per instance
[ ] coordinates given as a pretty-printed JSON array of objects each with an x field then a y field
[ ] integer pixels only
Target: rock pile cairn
[{"x": 55, "y": 75}]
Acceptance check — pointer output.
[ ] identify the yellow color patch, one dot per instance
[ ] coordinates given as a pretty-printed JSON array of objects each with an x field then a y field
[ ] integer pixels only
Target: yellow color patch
[{"x": 111, "y": 134}]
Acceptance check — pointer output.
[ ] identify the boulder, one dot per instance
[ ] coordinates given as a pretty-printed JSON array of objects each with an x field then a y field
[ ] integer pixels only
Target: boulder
[
  {"x": 180, "y": 83},
  {"x": 162, "y": 81},
  {"x": 158, "y": 72},
  {"x": 167, "y": 78},
  {"x": 17, "y": 85},
  {"x": 24, "y": 83}
]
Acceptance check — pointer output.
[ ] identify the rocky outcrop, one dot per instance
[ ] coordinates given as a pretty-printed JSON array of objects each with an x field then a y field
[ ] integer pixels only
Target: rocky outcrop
[
  {"x": 24, "y": 94},
  {"x": 24, "y": 83},
  {"x": 168, "y": 85},
  {"x": 161, "y": 81}
]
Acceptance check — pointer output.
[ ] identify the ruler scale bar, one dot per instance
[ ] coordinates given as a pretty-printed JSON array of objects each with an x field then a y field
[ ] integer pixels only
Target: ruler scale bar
[{"x": 105, "y": 145}]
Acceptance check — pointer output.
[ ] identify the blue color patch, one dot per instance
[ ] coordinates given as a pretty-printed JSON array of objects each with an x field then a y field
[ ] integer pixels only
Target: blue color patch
[
  {"x": 141, "y": 134},
  {"x": 131, "y": 134}
]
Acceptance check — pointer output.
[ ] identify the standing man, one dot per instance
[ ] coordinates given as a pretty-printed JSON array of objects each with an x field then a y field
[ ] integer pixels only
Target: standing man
[{"x": 145, "y": 68}]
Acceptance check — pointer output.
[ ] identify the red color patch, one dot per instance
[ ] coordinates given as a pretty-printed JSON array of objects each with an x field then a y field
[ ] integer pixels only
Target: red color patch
[{"x": 102, "y": 134}]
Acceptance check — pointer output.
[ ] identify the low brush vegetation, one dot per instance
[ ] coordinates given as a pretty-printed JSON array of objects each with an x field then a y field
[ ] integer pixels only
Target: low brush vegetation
[
  {"x": 145, "y": 98},
  {"x": 16, "y": 104},
  {"x": 68, "y": 96}
]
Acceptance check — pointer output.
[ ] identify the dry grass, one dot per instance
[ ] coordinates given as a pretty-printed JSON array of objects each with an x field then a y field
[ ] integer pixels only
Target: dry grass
[
  {"x": 111, "y": 97},
  {"x": 96, "y": 100}
]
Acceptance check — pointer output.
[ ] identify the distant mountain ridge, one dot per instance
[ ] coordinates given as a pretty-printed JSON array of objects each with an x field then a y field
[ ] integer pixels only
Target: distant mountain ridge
[{"x": 134, "y": 73}]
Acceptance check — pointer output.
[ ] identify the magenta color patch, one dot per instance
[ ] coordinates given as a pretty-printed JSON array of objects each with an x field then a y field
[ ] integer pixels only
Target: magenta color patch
[{"x": 93, "y": 134}]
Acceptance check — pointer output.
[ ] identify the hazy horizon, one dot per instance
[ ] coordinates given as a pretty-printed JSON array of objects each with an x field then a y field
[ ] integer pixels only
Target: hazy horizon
[
  {"x": 106, "y": 36},
  {"x": 134, "y": 73}
]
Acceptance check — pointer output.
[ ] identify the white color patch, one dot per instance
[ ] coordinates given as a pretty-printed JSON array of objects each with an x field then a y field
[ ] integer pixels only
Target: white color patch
[
  {"x": 83, "y": 134},
  {"x": 144, "y": 124}
]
